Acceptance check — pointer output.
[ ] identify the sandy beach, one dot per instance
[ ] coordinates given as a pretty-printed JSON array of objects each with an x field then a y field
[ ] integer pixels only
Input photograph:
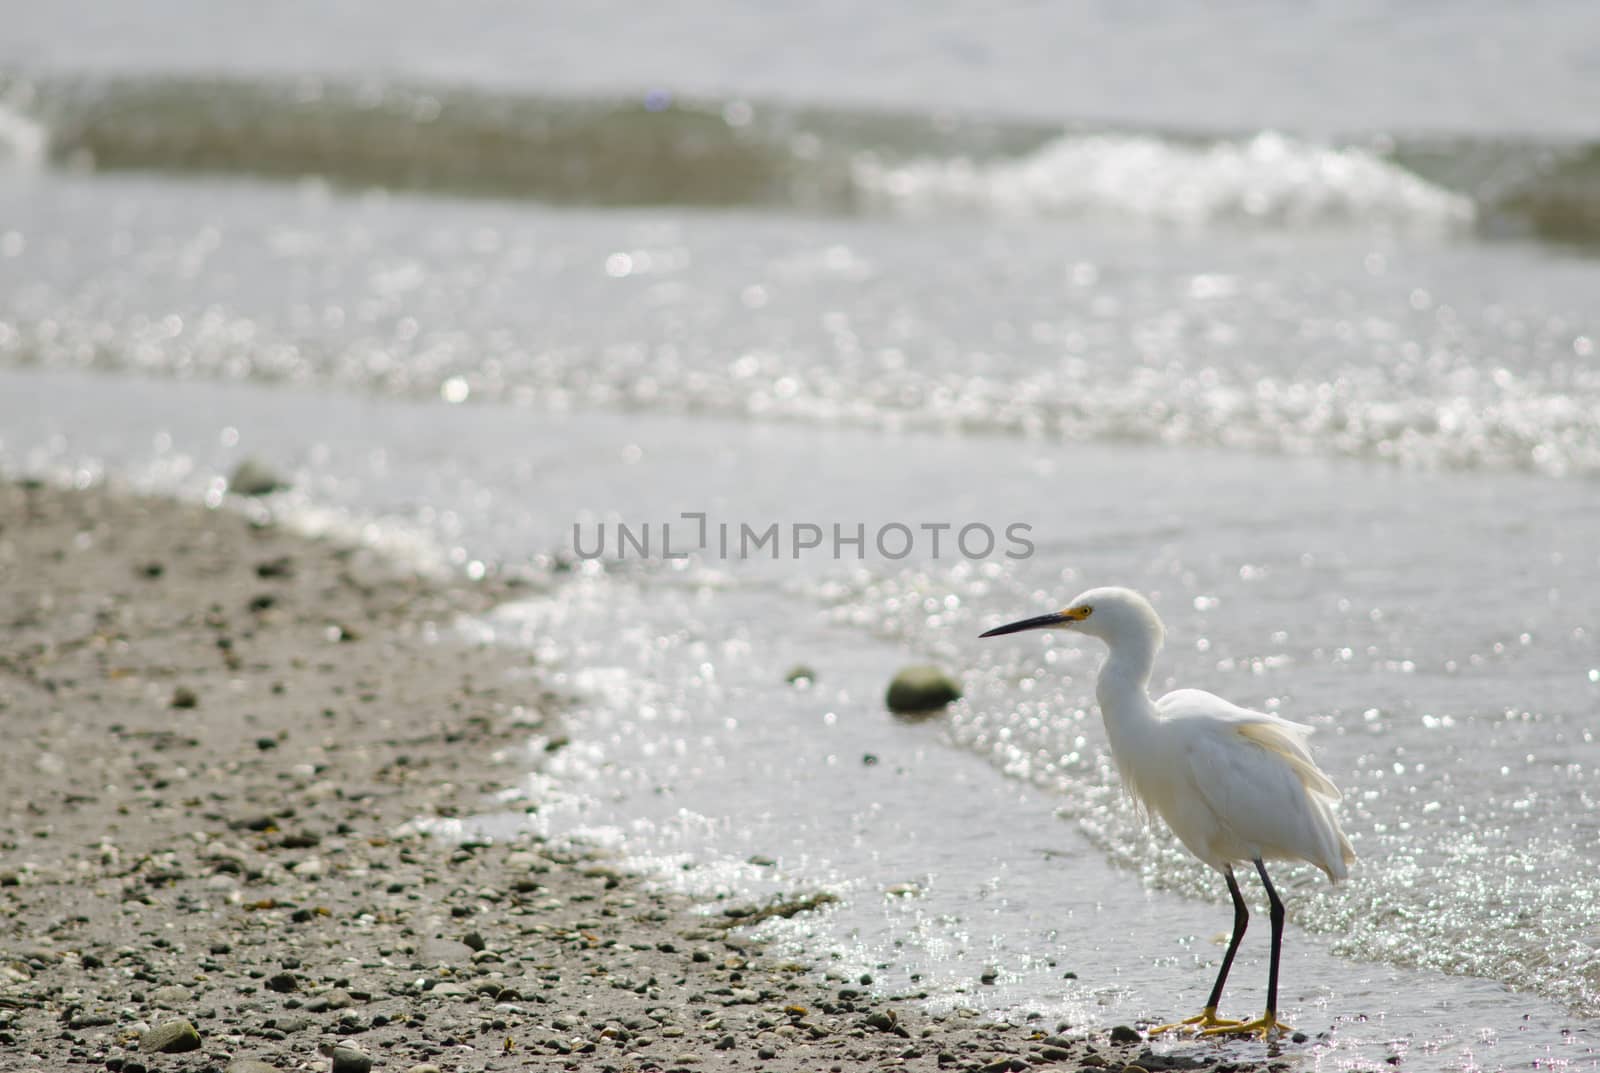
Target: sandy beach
[{"x": 220, "y": 735}]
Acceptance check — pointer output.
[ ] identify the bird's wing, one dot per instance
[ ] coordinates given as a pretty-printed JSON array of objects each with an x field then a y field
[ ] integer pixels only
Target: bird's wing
[
  {"x": 1258, "y": 779},
  {"x": 1276, "y": 735}
]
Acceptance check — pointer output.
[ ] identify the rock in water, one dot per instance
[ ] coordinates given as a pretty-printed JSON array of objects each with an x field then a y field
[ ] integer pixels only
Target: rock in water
[
  {"x": 253, "y": 477},
  {"x": 800, "y": 673},
  {"x": 171, "y": 1037},
  {"x": 921, "y": 689}
]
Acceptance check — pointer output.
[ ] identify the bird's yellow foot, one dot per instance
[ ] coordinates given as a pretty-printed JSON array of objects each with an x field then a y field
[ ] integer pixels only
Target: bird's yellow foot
[
  {"x": 1266, "y": 1026},
  {"x": 1204, "y": 1021}
]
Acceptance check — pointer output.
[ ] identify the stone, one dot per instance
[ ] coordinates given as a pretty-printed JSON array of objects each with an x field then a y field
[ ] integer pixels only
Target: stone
[
  {"x": 171, "y": 996},
  {"x": 882, "y": 1020},
  {"x": 336, "y": 999},
  {"x": 347, "y": 1059},
  {"x": 1124, "y": 1034},
  {"x": 252, "y": 477},
  {"x": 170, "y": 1037},
  {"x": 283, "y": 983},
  {"x": 439, "y": 951},
  {"x": 921, "y": 689},
  {"x": 1155, "y": 1063}
]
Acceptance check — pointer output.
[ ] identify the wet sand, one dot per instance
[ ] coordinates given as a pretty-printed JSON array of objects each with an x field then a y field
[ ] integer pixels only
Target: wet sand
[{"x": 219, "y": 736}]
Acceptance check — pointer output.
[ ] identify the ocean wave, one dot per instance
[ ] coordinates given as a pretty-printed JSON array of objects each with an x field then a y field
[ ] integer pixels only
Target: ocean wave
[
  {"x": 655, "y": 149},
  {"x": 1268, "y": 179}
]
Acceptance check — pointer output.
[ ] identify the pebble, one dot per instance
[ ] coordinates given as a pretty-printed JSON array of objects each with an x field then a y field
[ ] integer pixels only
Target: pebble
[
  {"x": 252, "y": 477},
  {"x": 282, "y": 566},
  {"x": 171, "y": 1037},
  {"x": 337, "y": 999},
  {"x": 883, "y": 1021},
  {"x": 283, "y": 983},
  {"x": 445, "y": 952},
  {"x": 171, "y": 996},
  {"x": 1152, "y": 1062},
  {"x": 249, "y": 1065},
  {"x": 1124, "y": 1034},
  {"x": 310, "y": 868},
  {"x": 347, "y": 1059}
]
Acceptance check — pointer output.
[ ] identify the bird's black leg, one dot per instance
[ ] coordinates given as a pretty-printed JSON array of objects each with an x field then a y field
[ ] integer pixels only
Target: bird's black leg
[
  {"x": 1241, "y": 921},
  {"x": 1277, "y": 939},
  {"x": 1207, "y": 1019},
  {"x": 1267, "y": 1024}
]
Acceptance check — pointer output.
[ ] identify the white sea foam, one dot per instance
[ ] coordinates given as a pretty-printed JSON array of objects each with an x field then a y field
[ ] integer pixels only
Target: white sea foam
[
  {"x": 1268, "y": 179},
  {"x": 23, "y": 141}
]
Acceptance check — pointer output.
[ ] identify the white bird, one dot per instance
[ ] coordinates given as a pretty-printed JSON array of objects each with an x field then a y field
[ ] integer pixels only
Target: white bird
[{"x": 1234, "y": 785}]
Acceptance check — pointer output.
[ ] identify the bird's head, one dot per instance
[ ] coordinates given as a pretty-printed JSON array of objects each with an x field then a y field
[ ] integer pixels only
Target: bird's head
[{"x": 1110, "y": 614}]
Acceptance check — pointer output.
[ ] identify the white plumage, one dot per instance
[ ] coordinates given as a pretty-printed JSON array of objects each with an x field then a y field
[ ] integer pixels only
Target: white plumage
[{"x": 1233, "y": 784}]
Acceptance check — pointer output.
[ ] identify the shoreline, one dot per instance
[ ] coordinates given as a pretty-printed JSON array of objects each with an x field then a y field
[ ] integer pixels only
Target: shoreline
[{"x": 220, "y": 733}]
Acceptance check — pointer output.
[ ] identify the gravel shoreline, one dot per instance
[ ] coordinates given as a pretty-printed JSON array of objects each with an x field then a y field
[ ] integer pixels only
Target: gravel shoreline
[{"x": 217, "y": 734}]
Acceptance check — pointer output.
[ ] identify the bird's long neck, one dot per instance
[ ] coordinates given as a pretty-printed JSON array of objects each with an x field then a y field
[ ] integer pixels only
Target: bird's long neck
[{"x": 1123, "y": 689}]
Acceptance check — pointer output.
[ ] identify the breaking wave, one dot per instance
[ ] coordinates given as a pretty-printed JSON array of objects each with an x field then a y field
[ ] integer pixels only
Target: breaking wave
[
  {"x": 655, "y": 149},
  {"x": 1268, "y": 179}
]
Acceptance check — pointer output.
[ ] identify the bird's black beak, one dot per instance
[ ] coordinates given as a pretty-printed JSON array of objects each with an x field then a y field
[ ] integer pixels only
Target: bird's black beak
[{"x": 1040, "y": 622}]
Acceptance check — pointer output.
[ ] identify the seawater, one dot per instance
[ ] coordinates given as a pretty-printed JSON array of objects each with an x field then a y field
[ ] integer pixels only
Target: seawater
[{"x": 1315, "y": 368}]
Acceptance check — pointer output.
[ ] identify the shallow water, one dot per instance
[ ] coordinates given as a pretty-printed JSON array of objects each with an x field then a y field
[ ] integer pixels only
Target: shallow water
[{"x": 1329, "y": 392}]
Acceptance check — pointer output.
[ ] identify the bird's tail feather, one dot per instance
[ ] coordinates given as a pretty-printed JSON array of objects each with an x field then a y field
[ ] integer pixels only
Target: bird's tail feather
[{"x": 1287, "y": 740}]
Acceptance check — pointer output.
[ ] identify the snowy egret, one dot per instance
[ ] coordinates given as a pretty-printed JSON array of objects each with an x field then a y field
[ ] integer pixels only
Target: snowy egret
[{"x": 1234, "y": 785}]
